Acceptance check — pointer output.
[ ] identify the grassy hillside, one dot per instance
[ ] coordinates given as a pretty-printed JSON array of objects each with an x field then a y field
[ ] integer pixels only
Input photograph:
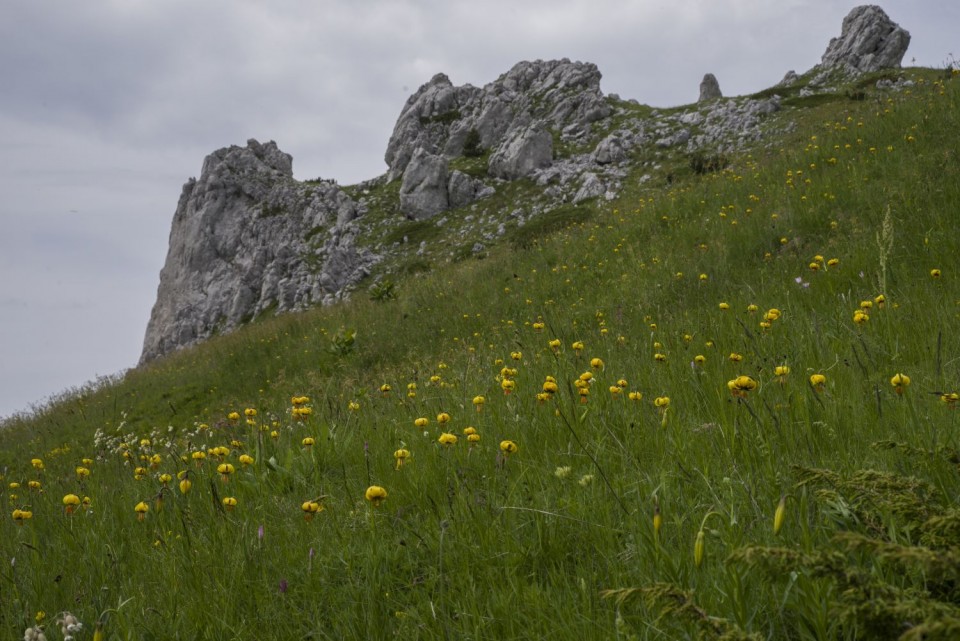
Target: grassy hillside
[{"x": 726, "y": 452}]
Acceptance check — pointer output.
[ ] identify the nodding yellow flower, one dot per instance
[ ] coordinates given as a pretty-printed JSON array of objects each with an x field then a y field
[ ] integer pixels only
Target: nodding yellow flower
[
  {"x": 473, "y": 439},
  {"x": 660, "y": 358},
  {"x": 781, "y": 371},
  {"x": 818, "y": 258},
  {"x": 700, "y": 359},
  {"x": 516, "y": 356},
  {"x": 246, "y": 459},
  {"x": 699, "y": 548},
  {"x": 225, "y": 470},
  {"x": 385, "y": 389},
  {"x": 234, "y": 416},
  {"x": 140, "y": 473},
  {"x": 467, "y": 431},
  {"x": 250, "y": 412},
  {"x": 447, "y": 439},
  {"x": 70, "y": 502},
  {"x": 353, "y": 406},
  {"x": 577, "y": 346},
  {"x": 19, "y": 516},
  {"x": 185, "y": 485},
  {"x": 741, "y": 385},
  {"x": 584, "y": 392},
  {"x": 550, "y": 387},
  {"x": 724, "y": 306},
  {"x": 555, "y": 344},
  {"x": 703, "y": 277},
  {"x": 596, "y": 363},
  {"x": 421, "y": 422},
  {"x": 735, "y": 358},
  {"x": 82, "y": 473},
  {"x": 935, "y": 273},
  {"x": 662, "y": 402},
  {"x": 274, "y": 434},
  {"x": 860, "y": 317},
  {"x": 657, "y": 520},
  {"x": 229, "y": 503},
  {"x": 818, "y": 382},
  {"x": 141, "y": 509},
  {"x": 199, "y": 457},
  {"x": 833, "y": 262},
  {"x": 508, "y": 447},
  {"x": 615, "y": 391},
  {"x": 752, "y": 309},
  {"x": 779, "y": 515},
  {"x": 635, "y": 396},
  {"x": 949, "y": 399},
  {"x": 478, "y": 402},
  {"x": 401, "y": 455},
  {"x": 880, "y": 300},
  {"x": 814, "y": 266},
  {"x": 165, "y": 479},
  {"x": 37, "y": 463},
  {"x": 622, "y": 383},
  {"x": 443, "y": 418},
  {"x": 34, "y": 485},
  {"x": 538, "y": 326},
  {"x": 508, "y": 385},
  {"x": 308, "y": 441},
  {"x": 772, "y": 314},
  {"x": 900, "y": 383},
  {"x": 376, "y": 495},
  {"x": 310, "y": 509}
]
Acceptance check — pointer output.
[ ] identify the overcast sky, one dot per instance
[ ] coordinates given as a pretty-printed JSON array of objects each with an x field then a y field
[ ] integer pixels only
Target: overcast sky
[{"x": 108, "y": 107}]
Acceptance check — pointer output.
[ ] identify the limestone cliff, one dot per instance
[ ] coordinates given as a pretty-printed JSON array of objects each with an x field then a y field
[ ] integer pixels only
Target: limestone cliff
[{"x": 239, "y": 246}]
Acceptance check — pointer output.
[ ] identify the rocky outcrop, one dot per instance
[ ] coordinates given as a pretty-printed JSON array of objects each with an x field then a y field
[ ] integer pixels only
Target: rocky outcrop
[
  {"x": 439, "y": 116},
  {"x": 523, "y": 151},
  {"x": 869, "y": 41},
  {"x": 246, "y": 238},
  {"x": 423, "y": 192},
  {"x": 709, "y": 88}
]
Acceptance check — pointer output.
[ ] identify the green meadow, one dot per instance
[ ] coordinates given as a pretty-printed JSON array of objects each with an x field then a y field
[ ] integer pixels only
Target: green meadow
[{"x": 721, "y": 406}]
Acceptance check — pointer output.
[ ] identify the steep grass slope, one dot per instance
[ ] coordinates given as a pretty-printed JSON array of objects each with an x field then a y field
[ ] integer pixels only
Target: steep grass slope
[{"x": 679, "y": 417}]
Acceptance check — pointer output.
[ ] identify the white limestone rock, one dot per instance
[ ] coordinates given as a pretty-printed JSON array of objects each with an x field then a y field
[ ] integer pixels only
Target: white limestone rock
[
  {"x": 423, "y": 192},
  {"x": 246, "y": 237},
  {"x": 869, "y": 41}
]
